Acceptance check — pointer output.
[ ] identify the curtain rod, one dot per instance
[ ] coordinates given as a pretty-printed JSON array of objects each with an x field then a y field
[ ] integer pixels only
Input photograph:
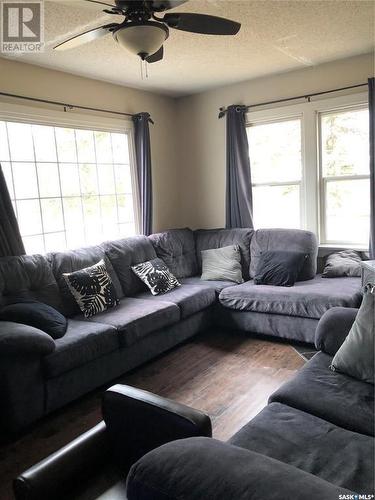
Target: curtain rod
[
  {"x": 65, "y": 105},
  {"x": 223, "y": 110}
]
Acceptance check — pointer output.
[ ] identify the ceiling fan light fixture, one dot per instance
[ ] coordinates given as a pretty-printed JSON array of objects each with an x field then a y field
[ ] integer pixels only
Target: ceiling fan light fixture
[{"x": 142, "y": 39}]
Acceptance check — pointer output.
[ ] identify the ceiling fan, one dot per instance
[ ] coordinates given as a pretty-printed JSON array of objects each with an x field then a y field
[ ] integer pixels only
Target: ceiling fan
[{"x": 143, "y": 33}]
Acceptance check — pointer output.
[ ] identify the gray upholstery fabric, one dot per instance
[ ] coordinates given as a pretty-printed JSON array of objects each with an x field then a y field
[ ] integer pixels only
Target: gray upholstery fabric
[
  {"x": 75, "y": 260},
  {"x": 294, "y": 240},
  {"x": 337, "y": 398},
  {"x": 31, "y": 277},
  {"x": 176, "y": 248},
  {"x": 136, "y": 318},
  {"x": 196, "y": 280},
  {"x": 17, "y": 339},
  {"x": 189, "y": 298},
  {"x": 222, "y": 264},
  {"x": 204, "y": 468},
  {"x": 344, "y": 263},
  {"x": 356, "y": 355},
  {"x": 306, "y": 299},
  {"x": 82, "y": 342},
  {"x": 206, "y": 239},
  {"x": 126, "y": 253},
  {"x": 276, "y": 325},
  {"x": 78, "y": 381},
  {"x": 333, "y": 328},
  {"x": 22, "y": 391},
  {"x": 337, "y": 455}
]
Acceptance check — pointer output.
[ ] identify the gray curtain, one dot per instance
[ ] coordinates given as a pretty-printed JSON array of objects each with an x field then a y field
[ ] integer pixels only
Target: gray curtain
[
  {"x": 239, "y": 198},
  {"x": 371, "y": 103},
  {"x": 143, "y": 159},
  {"x": 10, "y": 237}
]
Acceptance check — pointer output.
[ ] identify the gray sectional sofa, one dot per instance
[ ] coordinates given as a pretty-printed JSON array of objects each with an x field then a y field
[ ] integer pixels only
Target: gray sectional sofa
[{"x": 39, "y": 374}]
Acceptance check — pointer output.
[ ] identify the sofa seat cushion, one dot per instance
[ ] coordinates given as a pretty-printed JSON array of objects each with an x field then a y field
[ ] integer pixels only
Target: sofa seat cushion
[
  {"x": 189, "y": 298},
  {"x": 83, "y": 342},
  {"x": 342, "y": 457},
  {"x": 337, "y": 398},
  {"x": 306, "y": 299},
  {"x": 136, "y": 318},
  {"x": 216, "y": 285}
]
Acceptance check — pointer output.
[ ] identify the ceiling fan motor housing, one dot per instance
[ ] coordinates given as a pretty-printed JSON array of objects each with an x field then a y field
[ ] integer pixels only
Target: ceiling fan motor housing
[{"x": 141, "y": 38}]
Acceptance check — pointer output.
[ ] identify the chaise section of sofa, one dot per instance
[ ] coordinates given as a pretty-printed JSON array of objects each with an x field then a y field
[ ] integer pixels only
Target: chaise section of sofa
[{"x": 287, "y": 312}]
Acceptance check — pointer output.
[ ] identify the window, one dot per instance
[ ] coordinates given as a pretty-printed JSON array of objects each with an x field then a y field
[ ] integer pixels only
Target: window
[
  {"x": 69, "y": 187},
  {"x": 276, "y": 170},
  {"x": 345, "y": 186},
  {"x": 310, "y": 168}
]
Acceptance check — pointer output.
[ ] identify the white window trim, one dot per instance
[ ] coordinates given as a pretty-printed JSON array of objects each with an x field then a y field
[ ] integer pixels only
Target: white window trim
[
  {"x": 311, "y": 210},
  {"x": 71, "y": 119},
  {"x": 300, "y": 183}
]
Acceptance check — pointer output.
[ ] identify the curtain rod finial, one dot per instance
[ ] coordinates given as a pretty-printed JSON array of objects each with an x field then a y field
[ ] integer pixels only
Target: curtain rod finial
[{"x": 222, "y": 112}]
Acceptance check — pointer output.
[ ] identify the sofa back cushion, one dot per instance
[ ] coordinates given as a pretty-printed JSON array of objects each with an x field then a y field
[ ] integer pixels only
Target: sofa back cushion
[
  {"x": 295, "y": 240},
  {"x": 75, "y": 260},
  {"x": 126, "y": 253},
  {"x": 176, "y": 248},
  {"x": 28, "y": 277},
  {"x": 205, "y": 239}
]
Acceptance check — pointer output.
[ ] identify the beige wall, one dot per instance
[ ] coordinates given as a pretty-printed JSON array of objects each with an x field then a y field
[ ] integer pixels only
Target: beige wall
[
  {"x": 202, "y": 135},
  {"x": 26, "y": 79}
]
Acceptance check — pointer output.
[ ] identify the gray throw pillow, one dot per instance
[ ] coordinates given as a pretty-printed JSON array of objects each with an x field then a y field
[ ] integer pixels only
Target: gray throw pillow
[
  {"x": 345, "y": 263},
  {"x": 356, "y": 355},
  {"x": 222, "y": 264}
]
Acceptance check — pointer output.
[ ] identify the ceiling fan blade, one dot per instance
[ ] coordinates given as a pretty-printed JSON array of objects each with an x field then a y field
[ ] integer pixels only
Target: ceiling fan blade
[
  {"x": 85, "y": 37},
  {"x": 201, "y": 23},
  {"x": 157, "y": 56},
  {"x": 162, "y": 5}
]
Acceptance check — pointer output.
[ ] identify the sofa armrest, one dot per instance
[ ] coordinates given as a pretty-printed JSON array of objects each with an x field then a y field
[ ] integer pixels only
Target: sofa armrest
[
  {"x": 139, "y": 421},
  {"x": 198, "y": 468},
  {"x": 66, "y": 469},
  {"x": 333, "y": 328},
  {"x": 16, "y": 338}
]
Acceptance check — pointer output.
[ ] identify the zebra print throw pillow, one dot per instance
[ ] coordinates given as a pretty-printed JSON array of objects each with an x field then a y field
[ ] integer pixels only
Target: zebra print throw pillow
[
  {"x": 92, "y": 289},
  {"x": 156, "y": 275}
]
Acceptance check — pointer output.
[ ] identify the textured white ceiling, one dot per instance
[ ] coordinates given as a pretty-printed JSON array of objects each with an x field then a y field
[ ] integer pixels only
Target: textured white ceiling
[{"x": 276, "y": 36}]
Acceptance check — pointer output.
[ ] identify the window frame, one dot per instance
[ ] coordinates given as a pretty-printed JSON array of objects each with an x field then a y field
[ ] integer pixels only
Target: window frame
[
  {"x": 310, "y": 192},
  {"x": 70, "y": 119},
  {"x": 323, "y": 181},
  {"x": 300, "y": 183}
]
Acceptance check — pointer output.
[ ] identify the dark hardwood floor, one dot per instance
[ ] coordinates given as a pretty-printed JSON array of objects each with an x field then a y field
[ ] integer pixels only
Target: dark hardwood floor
[{"x": 228, "y": 375}]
